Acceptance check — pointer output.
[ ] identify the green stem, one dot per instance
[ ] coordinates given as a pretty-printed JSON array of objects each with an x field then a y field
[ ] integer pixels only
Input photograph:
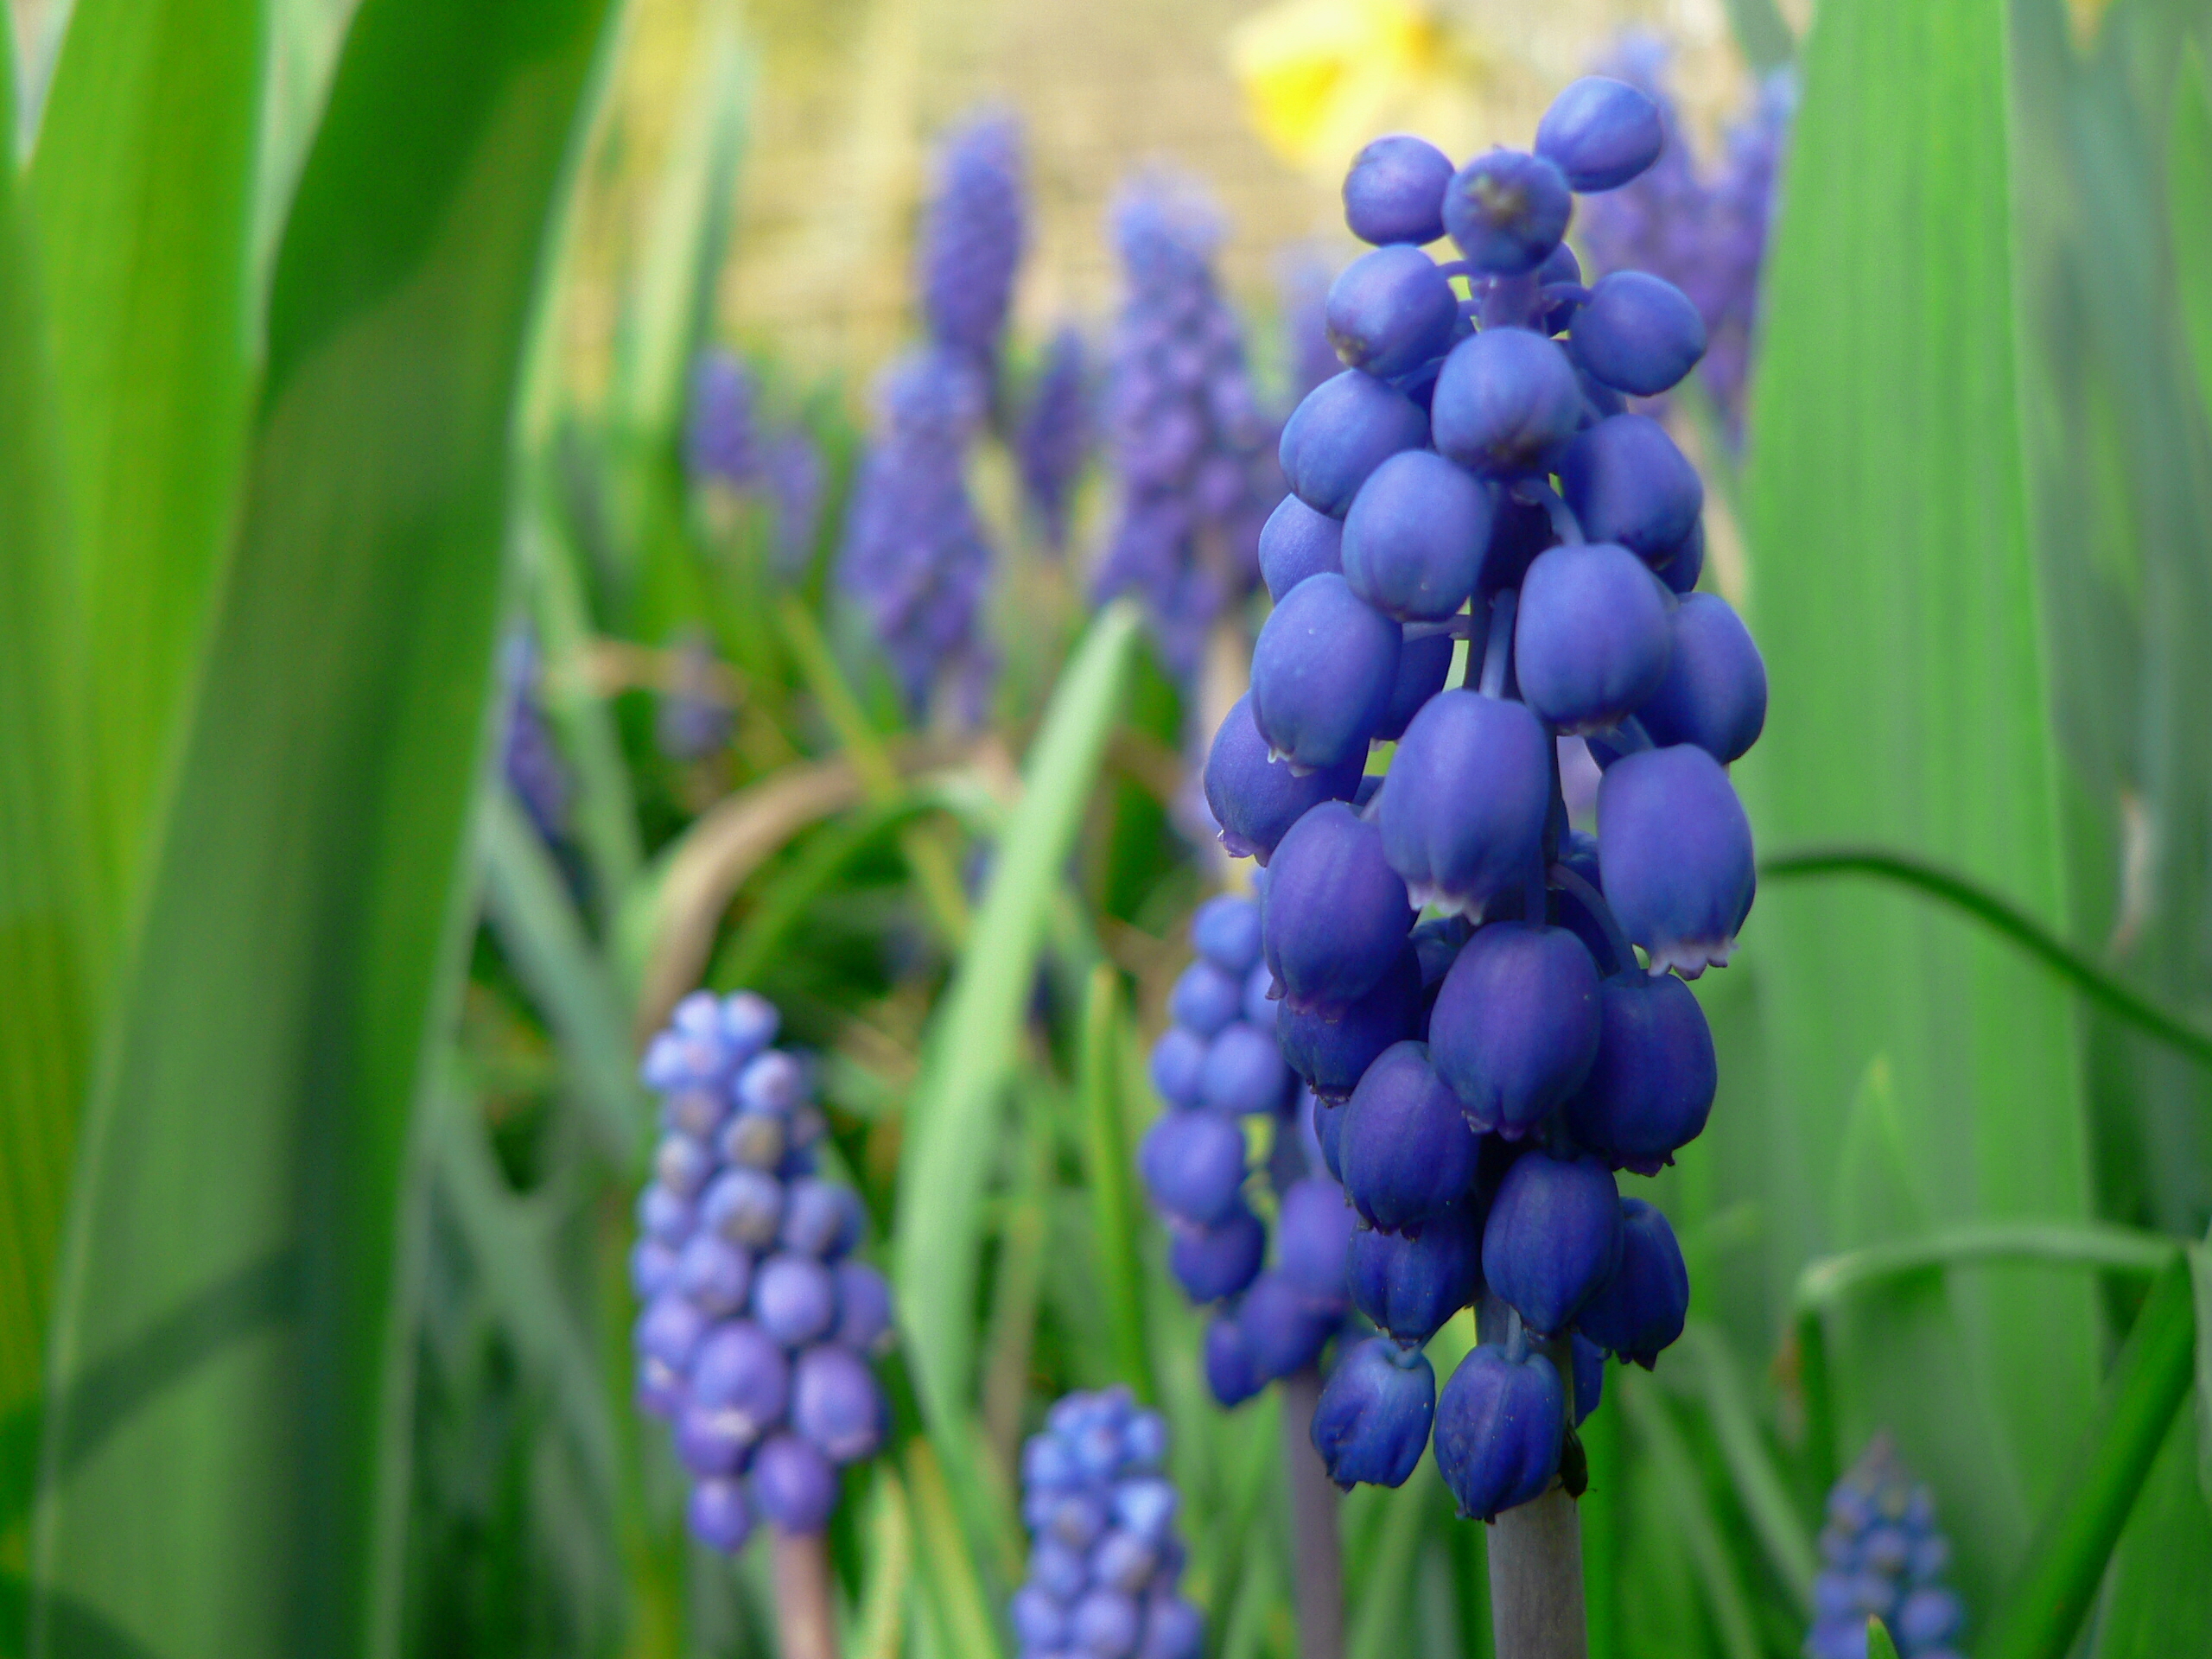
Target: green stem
[
  {"x": 2043, "y": 1610},
  {"x": 1113, "y": 1202},
  {"x": 2007, "y": 918}
]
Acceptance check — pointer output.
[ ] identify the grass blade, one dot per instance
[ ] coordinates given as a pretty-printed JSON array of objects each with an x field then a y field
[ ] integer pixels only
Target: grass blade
[
  {"x": 1826, "y": 1282},
  {"x": 1898, "y": 607},
  {"x": 1114, "y": 1216},
  {"x": 307, "y": 914},
  {"x": 1759, "y": 1486},
  {"x": 2043, "y": 1606},
  {"x": 976, "y": 1036},
  {"x": 1675, "y": 1470},
  {"x": 2008, "y": 919},
  {"x": 144, "y": 181},
  {"x": 544, "y": 939}
]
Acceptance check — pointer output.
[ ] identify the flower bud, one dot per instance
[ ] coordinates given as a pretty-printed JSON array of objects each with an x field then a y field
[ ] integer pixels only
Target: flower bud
[
  {"x": 668, "y": 1330},
  {"x": 1652, "y": 1083},
  {"x": 820, "y": 1218},
  {"x": 793, "y": 1484},
  {"x": 1638, "y": 334},
  {"x": 1676, "y": 850},
  {"x": 665, "y": 1217},
  {"x": 745, "y": 1206},
  {"x": 1193, "y": 1165},
  {"x": 1323, "y": 671},
  {"x": 714, "y": 1274},
  {"x": 1589, "y": 1377},
  {"x": 1284, "y": 1330},
  {"x": 1315, "y": 1227},
  {"x": 1463, "y": 810},
  {"x": 863, "y": 1309},
  {"x": 1332, "y": 1048},
  {"x": 1507, "y": 210},
  {"x": 794, "y": 1299},
  {"x": 1405, "y": 1148},
  {"x": 1226, "y": 933},
  {"x": 1204, "y": 998},
  {"x": 1410, "y": 1284},
  {"x": 1336, "y": 915},
  {"x": 1256, "y": 799},
  {"x": 1231, "y": 1374},
  {"x": 1245, "y": 1075},
  {"x": 1343, "y": 429},
  {"x": 1714, "y": 692},
  {"x": 1552, "y": 1236},
  {"x": 1179, "y": 1065},
  {"x": 1296, "y": 542},
  {"x": 1414, "y": 539},
  {"x": 1639, "y": 1310},
  {"x": 1505, "y": 398},
  {"x": 1105, "y": 1625},
  {"x": 837, "y": 1404},
  {"x": 1499, "y": 1424},
  {"x": 1173, "y": 1629},
  {"x": 1628, "y": 483},
  {"x": 1423, "y": 666},
  {"x": 718, "y": 1515},
  {"x": 1593, "y": 636},
  {"x": 1394, "y": 191},
  {"x": 1389, "y": 312},
  {"x": 1371, "y": 1423},
  {"x": 1515, "y": 1025},
  {"x": 1214, "y": 1262},
  {"x": 1600, "y": 133}
]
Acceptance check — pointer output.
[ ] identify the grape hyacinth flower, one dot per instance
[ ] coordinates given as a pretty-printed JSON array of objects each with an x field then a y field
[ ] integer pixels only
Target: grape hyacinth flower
[
  {"x": 1188, "y": 440},
  {"x": 758, "y": 1322},
  {"x": 1486, "y": 1004},
  {"x": 1218, "y": 1063},
  {"x": 915, "y": 561},
  {"x": 973, "y": 234},
  {"x": 1106, "y": 1559},
  {"x": 1883, "y": 1556},
  {"x": 1053, "y": 441},
  {"x": 726, "y": 442}
]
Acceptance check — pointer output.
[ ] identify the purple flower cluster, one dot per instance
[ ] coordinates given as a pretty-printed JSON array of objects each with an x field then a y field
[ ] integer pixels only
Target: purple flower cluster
[
  {"x": 1192, "y": 445},
  {"x": 1053, "y": 441},
  {"x": 1104, "y": 1558},
  {"x": 725, "y": 440},
  {"x": 1883, "y": 1556},
  {"x": 973, "y": 235},
  {"x": 1702, "y": 227},
  {"x": 1217, "y": 1064},
  {"x": 758, "y": 1323},
  {"x": 915, "y": 560}
]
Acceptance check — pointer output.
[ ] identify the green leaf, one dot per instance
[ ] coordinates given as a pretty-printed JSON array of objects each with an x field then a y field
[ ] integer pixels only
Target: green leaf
[
  {"x": 2043, "y": 1608},
  {"x": 144, "y": 180},
  {"x": 1758, "y": 1484},
  {"x": 1673, "y": 1470},
  {"x": 1879, "y": 1644},
  {"x": 43, "y": 995},
  {"x": 2189, "y": 195},
  {"x": 1896, "y": 606},
  {"x": 1114, "y": 1214},
  {"x": 2158, "y": 1595},
  {"x": 1994, "y": 911},
  {"x": 1827, "y": 1281},
  {"x": 307, "y": 913},
  {"x": 544, "y": 939},
  {"x": 976, "y": 1036}
]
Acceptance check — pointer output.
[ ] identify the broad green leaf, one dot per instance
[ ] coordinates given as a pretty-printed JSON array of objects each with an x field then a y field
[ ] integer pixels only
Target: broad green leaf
[
  {"x": 44, "y": 1014},
  {"x": 2157, "y": 1598},
  {"x": 305, "y": 918},
  {"x": 2189, "y": 192},
  {"x": 976, "y": 1036},
  {"x": 143, "y": 179},
  {"x": 1897, "y": 611}
]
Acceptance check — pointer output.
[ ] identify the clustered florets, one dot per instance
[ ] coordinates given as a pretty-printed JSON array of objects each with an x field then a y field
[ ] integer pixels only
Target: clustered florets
[
  {"x": 758, "y": 1323},
  {"x": 1189, "y": 438},
  {"x": 1457, "y": 969},
  {"x": 1217, "y": 1064},
  {"x": 1105, "y": 1560},
  {"x": 1882, "y": 1557}
]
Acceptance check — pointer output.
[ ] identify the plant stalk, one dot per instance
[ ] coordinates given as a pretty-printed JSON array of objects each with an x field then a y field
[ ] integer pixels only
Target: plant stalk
[
  {"x": 1317, "y": 1565},
  {"x": 1536, "y": 1561},
  {"x": 804, "y": 1626}
]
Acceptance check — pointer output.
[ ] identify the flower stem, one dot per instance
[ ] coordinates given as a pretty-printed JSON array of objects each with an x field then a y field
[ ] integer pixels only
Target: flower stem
[
  {"x": 804, "y": 1627},
  {"x": 1318, "y": 1569},
  {"x": 1536, "y": 1580}
]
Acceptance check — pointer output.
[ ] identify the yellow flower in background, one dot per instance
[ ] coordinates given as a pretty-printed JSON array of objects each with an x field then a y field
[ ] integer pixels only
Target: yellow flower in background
[{"x": 1322, "y": 77}]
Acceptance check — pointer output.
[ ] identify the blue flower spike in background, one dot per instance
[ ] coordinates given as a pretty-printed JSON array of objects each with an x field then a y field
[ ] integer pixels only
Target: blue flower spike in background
[{"x": 1883, "y": 1556}]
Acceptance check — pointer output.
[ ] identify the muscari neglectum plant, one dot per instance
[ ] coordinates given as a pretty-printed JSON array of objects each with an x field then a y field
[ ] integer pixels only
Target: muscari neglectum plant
[{"x": 1488, "y": 1006}]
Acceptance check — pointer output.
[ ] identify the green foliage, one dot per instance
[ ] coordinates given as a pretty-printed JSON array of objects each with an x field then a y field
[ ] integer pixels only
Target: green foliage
[{"x": 1896, "y": 602}]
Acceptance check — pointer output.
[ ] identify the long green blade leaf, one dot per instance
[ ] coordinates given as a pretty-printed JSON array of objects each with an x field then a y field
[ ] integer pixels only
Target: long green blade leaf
[
  {"x": 1896, "y": 606},
  {"x": 143, "y": 177},
  {"x": 2043, "y": 1608},
  {"x": 1826, "y": 1282},
  {"x": 42, "y": 997},
  {"x": 1114, "y": 1214},
  {"x": 2007, "y": 919},
  {"x": 976, "y": 1036},
  {"x": 301, "y": 942}
]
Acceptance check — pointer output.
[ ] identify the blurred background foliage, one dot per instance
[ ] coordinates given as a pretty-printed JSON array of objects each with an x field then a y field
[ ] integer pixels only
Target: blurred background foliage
[{"x": 351, "y": 567}]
